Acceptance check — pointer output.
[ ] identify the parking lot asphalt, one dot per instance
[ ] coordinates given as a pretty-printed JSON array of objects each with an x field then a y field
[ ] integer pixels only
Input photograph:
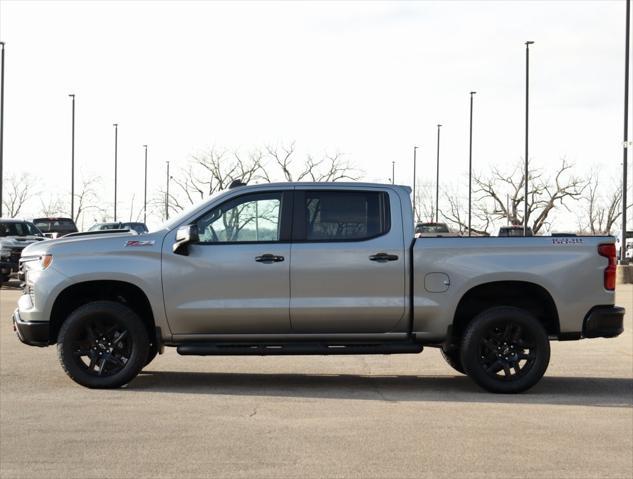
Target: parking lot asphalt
[{"x": 401, "y": 416}]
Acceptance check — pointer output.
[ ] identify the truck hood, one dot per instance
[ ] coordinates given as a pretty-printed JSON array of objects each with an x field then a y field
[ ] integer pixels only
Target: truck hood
[
  {"x": 19, "y": 241},
  {"x": 101, "y": 244}
]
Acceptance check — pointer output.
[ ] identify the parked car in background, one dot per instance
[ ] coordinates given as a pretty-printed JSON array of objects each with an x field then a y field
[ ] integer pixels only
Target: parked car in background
[
  {"x": 432, "y": 229},
  {"x": 54, "y": 227},
  {"x": 514, "y": 230},
  {"x": 15, "y": 235},
  {"x": 628, "y": 245},
  {"x": 139, "y": 228}
]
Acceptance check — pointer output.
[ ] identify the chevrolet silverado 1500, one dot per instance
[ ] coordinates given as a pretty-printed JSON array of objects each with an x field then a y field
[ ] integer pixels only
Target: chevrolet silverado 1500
[{"x": 314, "y": 268}]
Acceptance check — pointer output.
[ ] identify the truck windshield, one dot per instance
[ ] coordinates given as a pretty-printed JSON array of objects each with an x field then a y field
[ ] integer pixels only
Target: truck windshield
[
  {"x": 180, "y": 217},
  {"x": 10, "y": 228}
]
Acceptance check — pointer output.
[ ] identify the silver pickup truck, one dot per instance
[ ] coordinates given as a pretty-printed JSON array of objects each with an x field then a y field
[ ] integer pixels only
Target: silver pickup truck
[{"x": 314, "y": 268}]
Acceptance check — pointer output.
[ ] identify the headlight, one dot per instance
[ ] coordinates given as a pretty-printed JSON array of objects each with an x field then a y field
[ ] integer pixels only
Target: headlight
[{"x": 38, "y": 263}]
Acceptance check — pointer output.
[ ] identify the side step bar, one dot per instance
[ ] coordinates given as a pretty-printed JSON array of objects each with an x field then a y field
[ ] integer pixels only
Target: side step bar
[{"x": 297, "y": 348}]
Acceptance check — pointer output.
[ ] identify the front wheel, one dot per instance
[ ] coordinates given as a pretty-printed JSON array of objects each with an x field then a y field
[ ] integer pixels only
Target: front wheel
[
  {"x": 102, "y": 345},
  {"x": 505, "y": 350},
  {"x": 453, "y": 358}
]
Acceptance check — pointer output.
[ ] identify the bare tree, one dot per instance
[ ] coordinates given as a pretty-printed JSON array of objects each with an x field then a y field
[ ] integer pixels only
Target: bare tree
[
  {"x": 456, "y": 215},
  {"x": 424, "y": 202},
  {"x": 545, "y": 194},
  {"x": 331, "y": 167},
  {"x": 54, "y": 206},
  {"x": 18, "y": 190},
  {"x": 86, "y": 197},
  {"x": 600, "y": 211},
  {"x": 214, "y": 170}
]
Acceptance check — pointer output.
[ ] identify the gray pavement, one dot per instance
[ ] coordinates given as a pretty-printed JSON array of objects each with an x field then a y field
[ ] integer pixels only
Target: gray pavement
[{"x": 404, "y": 416}]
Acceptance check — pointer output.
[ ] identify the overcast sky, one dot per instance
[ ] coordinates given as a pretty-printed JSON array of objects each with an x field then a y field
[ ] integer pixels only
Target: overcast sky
[{"x": 368, "y": 79}]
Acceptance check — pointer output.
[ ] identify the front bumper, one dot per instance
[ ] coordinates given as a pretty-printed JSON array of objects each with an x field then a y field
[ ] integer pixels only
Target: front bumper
[
  {"x": 31, "y": 332},
  {"x": 603, "y": 322}
]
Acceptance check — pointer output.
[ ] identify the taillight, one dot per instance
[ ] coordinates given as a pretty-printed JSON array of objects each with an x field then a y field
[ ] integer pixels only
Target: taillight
[{"x": 608, "y": 251}]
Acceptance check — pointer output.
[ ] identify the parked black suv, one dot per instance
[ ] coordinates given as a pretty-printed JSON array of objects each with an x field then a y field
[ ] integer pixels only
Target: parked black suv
[{"x": 15, "y": 235}]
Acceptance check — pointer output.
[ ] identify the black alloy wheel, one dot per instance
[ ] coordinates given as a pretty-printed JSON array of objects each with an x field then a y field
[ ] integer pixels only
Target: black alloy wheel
[
  {"x": 102, "y": 347},
  {"x": 103, "y": 344},
  {"x": 505, "y": 350}
]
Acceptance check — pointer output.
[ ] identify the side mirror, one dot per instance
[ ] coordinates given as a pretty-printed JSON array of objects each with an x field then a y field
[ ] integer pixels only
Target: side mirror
[{"x": 185, "y": 235}]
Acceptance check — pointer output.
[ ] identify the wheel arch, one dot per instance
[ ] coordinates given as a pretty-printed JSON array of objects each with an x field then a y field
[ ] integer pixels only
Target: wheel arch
[
  {"x": 522, "y": 294},
  {"x": 78, "y": 294}
]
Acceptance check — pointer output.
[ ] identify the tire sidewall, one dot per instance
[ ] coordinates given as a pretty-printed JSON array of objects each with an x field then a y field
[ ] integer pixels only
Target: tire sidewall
[
  {"x": 453, "y": 359},
  {"x": 472, "y": 340},
  {"x": 100, "y": 309}
]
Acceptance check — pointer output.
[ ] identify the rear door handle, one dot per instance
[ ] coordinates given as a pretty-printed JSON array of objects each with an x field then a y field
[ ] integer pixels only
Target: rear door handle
[
  {"x": 383, "y": 257},
  {"x": 269, "y": 258}
]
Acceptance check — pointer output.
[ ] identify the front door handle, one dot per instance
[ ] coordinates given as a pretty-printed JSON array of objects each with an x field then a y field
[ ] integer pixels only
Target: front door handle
[
  {"x": 383, "y": 257},
  {"x": 269, "y": 258}
]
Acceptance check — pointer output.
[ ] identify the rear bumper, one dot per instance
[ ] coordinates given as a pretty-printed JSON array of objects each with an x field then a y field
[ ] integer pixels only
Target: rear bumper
[
  {"x": 603, "y": 322},
  {"x": 31, "y": 332}
]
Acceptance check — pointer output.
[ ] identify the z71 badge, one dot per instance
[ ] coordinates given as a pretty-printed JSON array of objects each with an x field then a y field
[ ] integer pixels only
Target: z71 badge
[{"x": 139, "y": 243}]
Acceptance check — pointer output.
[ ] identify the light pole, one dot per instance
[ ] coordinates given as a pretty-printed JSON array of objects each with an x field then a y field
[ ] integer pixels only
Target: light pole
[
  {"x": 145, "y": 189},
  {"x": 437, "y": 177},
  {"x": 470, "y": 163},
  {"x": 167, "y": 195},
  {"x": 626, "y": 128},
  {"x": 72, "y": 161},
  {"x": 527, "y": 103},
  {"x": 415, "y": 151},
  {"x": 1, "y": 118},
  {"x": 116, "y": 146},
  {"x": 393, "y": 172}
]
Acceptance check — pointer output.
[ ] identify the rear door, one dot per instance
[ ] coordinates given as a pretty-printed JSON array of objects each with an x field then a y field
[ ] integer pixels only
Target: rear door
[{"x": 348, "y": 264}]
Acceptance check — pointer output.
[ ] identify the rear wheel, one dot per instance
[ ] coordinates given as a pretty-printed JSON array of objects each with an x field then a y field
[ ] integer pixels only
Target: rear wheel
[
  {"x": 103, "y": 345},
  {"x": 505, "y": 350}
]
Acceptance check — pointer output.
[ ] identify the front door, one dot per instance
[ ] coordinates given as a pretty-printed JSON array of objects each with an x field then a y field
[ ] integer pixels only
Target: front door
[
  {"x": 348, "y": 265},
  {"x": 235, "y": 279}
]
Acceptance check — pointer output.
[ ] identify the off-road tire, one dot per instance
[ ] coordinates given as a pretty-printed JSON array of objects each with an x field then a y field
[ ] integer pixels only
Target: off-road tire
[
  {"x": 76, "y": 337},
  {"x": 489, "y": 351},
  {"x": 453, "y": 358}
]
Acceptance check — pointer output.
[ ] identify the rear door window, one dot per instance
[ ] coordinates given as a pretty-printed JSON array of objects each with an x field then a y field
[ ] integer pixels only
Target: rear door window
[{"x": 343, "y": 215}]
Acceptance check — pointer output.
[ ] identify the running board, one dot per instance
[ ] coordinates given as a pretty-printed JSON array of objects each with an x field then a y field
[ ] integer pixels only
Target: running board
[{"x": 297, "y": 348}]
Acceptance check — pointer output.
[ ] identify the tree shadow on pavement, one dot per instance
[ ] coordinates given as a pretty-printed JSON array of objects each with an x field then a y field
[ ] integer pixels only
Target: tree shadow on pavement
[{"x": 581, "y": 391}]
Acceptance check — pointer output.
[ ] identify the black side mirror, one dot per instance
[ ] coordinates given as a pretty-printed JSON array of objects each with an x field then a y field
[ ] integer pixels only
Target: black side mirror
[{"x": 184, "y": 236}]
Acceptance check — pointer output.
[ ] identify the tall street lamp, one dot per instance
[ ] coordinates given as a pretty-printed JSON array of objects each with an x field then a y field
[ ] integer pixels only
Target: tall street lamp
[
  {"x": 1, "y": 117},
  {"x": 167, "y": 195},
  {"x": 116, "y": 147},
  {"x": 626, "y": 129},
  {"x": 527, "y": 103},
  {"x": 437, "y": 177},
  {"x": 470, "y": 164},
  {"x": 415, "y": 150},
  {"x": 393, "y": 172},
  {"x": 145, "y": 189},
  {"x": 72, "y": 160}
]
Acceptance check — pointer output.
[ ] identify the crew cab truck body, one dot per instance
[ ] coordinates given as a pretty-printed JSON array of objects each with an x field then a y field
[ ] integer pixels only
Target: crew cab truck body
[{"x": 314, "y": 268}]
